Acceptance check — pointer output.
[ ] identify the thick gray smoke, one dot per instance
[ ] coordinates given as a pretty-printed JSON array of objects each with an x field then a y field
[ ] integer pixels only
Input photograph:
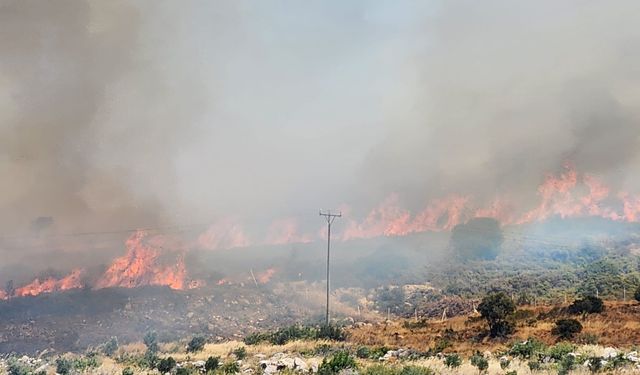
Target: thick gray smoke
[{"x": 130, "y": 114}]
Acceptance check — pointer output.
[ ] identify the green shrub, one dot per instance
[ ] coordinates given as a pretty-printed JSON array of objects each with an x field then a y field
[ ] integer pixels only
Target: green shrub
[
  {"x": 339, "y": 361},
  {"x": 504, "y": 363},
  {"x": 363, "y": 352},
  {"x": 416, "y": 370},
  {"x": 534, "y": 365},
  {"x": 165, "y": 365},
  {"x": 87, "y": 362},
  {"x": 127, "y": 371},
  {"x": 322, "y": 349},
  {"x": 230, "y": 367},
  {"x": 297, "y": 332},
  {"x": 212, "y": 364},
  {"x": 527, "y": 349},
  {"x": 331, "y": 332},
  {"x": 636, "y": 294},
  {"x": 514, "y": 372},
  {"x": 452, "y": 360},
  {"x": 150, "y": 359},
  {"x": 183, "y": 371},
  {"x": 566, "y": 329},
  {"x": 196, "y": 344},
  {"x": 586, "y": 305},
  {"x": 479, "y": 361},
  {"x": 17, "y": 368},
  {"x": 151, "y": 341},
  {"x": 109, "y": 348},
  {"x": 378, "y": 352},
  {"x": 63, "y": 366},
  {"x": 560, "y": 350},
  {"x": 240, "y": 353},
  {"x": 380, "y": 370},
  {"x": 594, "y": 364},
  {"x": 566, "y": 364}
]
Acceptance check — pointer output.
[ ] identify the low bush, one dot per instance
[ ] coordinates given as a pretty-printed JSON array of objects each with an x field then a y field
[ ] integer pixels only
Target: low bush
[
  {"x": 527, "y": 349},
  {"x": 212, "y": 364},
  {"x": 560, "y": 350},
  {"x": 416, "y": 370},
  {"x": 595, "y": 364},
  {"x": 339, "y": 361},
  {"x": 165, "y": 365},
  {"x": 380, "y": 370},
  {"x": 586, "y": 305},
  {"x": 566, "y": 329},
  {"x": 127, "y": 371},
  {"x": 196, "y": 344},
  {"x": 566, "y": 364},
  {"x": 230, "y": 367},
  {"x": 240, "y": 353},
  {"x": 15, "y": 367},
  {"x": 110, "y": 347},
  {"x": 63, "y": 366},
  {"x": 479, "y": 361},
  {"x": 297, "y": 332},
  {"x": 452, "y": 360}
]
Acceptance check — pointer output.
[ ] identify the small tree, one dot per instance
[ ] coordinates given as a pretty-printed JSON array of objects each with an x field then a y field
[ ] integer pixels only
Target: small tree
[
  {"x": 566, "y": 329},
  {"x": 636, "y": 294},
  {"x": 127, "y": 371},
  {"x": 495, "y": 308},
  {"x": 196, "y": 344}
]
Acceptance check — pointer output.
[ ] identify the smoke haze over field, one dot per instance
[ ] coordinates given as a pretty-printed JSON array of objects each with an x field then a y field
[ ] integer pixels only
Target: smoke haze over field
[{"x": 118, "y": 115}]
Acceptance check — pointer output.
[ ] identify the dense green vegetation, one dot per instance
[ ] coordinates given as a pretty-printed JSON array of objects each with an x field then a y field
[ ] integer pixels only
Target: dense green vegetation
[{"x": 296, "y": 332}]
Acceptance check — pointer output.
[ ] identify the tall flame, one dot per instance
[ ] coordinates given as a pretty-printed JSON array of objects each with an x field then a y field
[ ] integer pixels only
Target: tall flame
[{"x": 145, "y": 263}]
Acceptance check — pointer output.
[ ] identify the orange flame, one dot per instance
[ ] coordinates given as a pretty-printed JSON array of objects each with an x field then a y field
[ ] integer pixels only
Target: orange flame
[
  {"x": 265, "y": 276},
  {"x": 145, "y": 263},
  {"x": 71, "y": 281}
]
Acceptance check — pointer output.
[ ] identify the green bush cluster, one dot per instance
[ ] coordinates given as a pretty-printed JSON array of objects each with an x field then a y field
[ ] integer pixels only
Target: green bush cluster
[
  {"x": 339, "y": 361},
  {"x": 392, "y": 370},
  {"x": 297, "y": 332},
  {"x": 586, "y": 305}
]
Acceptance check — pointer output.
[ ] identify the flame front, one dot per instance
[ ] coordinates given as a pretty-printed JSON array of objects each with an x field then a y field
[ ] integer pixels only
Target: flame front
[
  {"x": 159, "y": 260},
  {"x": 71, "y": 281},
  {"x": 144, "y": 264}
]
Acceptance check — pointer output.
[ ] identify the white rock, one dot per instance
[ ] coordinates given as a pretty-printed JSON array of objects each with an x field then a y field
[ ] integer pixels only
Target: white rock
[
  {"x": 610, "y": 353},
  {"x": 270, "y": 369},
  {"x": 289, "y": 363},
  {"x": 301, "y": 364},
  {"x": 199, "y": 363}
]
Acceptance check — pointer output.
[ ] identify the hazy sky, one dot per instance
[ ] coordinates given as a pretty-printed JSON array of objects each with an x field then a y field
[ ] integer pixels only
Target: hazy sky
[{"x": 123, "y": 114}]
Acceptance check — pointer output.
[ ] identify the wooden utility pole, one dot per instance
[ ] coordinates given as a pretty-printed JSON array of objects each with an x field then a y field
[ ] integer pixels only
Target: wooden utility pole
[{"x": 330, "y": 218}]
